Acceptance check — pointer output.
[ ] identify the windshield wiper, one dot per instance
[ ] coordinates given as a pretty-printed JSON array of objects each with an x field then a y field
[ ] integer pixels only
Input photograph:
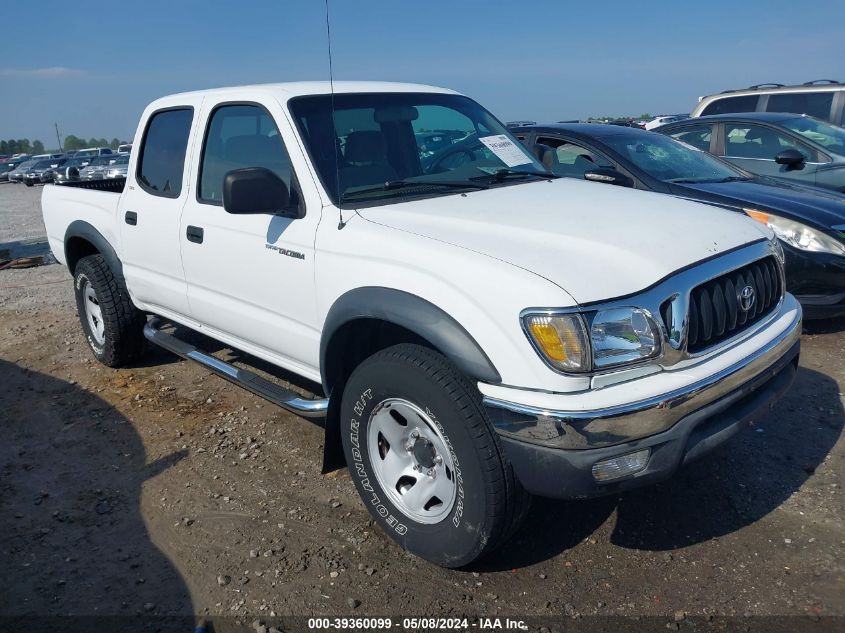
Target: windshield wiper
[
  {"x": 701, "y": 181},
  {"x": 500, "y": 174},
  {"x": 403, "y": 184}
]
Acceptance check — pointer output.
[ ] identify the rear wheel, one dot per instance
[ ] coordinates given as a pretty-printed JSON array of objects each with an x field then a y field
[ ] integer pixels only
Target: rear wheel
[
  {"x": 112, "y": 325},
  {"x": 425, "y": 459}
]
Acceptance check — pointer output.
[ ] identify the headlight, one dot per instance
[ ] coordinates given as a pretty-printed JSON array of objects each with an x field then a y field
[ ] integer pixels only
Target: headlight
[
  {"x": 617, "y": 336},
  {"x": 623, "y": 335},
  {"x": 798, "y": 235},
  {"x": 560, "y": 339}
]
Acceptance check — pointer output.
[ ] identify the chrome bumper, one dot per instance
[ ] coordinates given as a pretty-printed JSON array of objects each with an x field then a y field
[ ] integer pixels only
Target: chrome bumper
[{"x": 616, "y": 425}]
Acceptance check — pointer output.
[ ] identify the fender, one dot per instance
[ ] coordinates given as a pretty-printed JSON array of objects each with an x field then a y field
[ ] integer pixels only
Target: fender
[
  {"x": 415, "y": 314},
  {"x": 82, "y": 229}
]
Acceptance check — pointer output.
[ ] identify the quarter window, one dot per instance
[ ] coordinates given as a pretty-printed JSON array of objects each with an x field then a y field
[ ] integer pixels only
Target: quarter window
[
  {"x": 697, "y": 135},
  {"x": 162, "y": 159},
  {"x": 816, "y": 104},
  {"x": 730, "y": 105},
  {"x": 757, "y": 141},
  {"x": 240, "y": 136}
]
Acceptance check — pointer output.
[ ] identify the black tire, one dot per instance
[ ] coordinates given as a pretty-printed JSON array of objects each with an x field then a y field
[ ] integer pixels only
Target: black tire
[
  {"x": 489, "y": 503},
  {"x": 119, "y": 339}
]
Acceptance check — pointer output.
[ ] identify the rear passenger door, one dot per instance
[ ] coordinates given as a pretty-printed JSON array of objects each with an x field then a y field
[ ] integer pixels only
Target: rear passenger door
[
  {"x": 150, "y": 210},
  {"x": 251, "y": 277}
]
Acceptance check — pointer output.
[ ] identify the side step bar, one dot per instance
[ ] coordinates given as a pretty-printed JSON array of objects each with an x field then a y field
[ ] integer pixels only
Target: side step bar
[{"x": 280, "y": 396}]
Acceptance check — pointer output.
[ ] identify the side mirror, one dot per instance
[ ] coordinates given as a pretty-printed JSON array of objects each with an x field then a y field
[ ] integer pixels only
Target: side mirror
[
  {"x": 256, "y": 190},
  {"x": 792, "y": 158},
  {"x": 608, "y": 175}
]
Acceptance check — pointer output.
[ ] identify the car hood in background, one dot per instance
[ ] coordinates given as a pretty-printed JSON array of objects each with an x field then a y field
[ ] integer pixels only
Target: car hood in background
[
  {"x": 595, "y": 241},
  {"x": 813, "y": 205}
]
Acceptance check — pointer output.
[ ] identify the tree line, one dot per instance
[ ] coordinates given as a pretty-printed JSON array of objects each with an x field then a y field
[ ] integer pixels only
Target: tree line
[{"x": 25, "y": 146}]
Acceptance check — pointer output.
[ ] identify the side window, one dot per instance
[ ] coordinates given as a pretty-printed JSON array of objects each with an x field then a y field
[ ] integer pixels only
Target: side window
[
  {"x": 755, "y": 141},
  {"x": 730, "y": 105},
  {"x": 162, "y": 159},
  {"x": 240, "y": 136},
  {"x": 572, "y": 160},
  {"x": 695, "y": 135},
  {"x": 816, "y": 104}
]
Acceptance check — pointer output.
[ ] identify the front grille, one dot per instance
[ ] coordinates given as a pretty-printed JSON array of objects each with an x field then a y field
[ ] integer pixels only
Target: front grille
[{"x": 714, "y": 308}]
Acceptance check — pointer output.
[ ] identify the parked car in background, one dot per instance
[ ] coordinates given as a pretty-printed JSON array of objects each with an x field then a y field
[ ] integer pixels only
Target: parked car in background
[
  {"x": 519, "y": 123},
  {"x": 93, "y": 151},
  {"x": 96, "y": 169},
  {"x": 809, "y": 221},
  {"x": 7, "y": 166},
  {"x": 823, "y": 99},
  {"x": 118, "y": 168},
  {"x": 125, "y": 148},
  {"x": 664, "y": 119},
  {"x": 42, "y": 171},
  {"x": 797, "y": 147},
  {"x": 69, "y": 171},
  {"x": 16, "y": 174}
]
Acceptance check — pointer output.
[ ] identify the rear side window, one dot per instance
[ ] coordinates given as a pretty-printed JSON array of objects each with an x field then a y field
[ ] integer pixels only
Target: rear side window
[
  {"x": 162, "y": 159},
  {"x": 241, "y": 136},
  {"x": 695, "y": 135},
  {"x": 730, "y": 105},
  {"x": 816, "y": 104}
]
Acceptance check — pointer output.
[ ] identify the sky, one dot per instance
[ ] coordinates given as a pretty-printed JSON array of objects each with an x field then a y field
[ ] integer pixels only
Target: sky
[{"x": 92, "y": 69}]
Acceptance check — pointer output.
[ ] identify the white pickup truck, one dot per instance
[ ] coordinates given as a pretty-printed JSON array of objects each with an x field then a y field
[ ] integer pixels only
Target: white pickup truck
[{"x": 477, "y": 331}]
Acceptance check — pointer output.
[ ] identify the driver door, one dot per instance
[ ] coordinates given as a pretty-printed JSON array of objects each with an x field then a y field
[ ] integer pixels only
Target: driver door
[{"x": 250, "y": 277}]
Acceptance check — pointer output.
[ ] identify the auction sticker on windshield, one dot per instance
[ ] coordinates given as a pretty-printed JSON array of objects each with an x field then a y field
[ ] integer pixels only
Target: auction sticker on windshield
[{"x": 505, "y": 150}]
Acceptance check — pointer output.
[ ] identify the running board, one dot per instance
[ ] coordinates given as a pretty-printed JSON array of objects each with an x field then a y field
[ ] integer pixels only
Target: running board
[{"x": 280, "y": 396}]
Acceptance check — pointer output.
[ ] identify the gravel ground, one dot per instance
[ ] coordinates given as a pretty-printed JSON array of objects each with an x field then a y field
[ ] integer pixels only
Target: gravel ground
[{"x": 162, "y": 489}]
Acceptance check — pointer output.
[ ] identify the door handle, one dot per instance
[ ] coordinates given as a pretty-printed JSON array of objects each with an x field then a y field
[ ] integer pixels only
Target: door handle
[
  {"x": 131, "y": 218},
  {"x": 194, "y": 234}
]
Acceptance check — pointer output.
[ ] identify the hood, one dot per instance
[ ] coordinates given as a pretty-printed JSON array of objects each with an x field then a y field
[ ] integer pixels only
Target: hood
[
  {"x": 595, "y": 241},
  {"x": 812, "y": 205}
]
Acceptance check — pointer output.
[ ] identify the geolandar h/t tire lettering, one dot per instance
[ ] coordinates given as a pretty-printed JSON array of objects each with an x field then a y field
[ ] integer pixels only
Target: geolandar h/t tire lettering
[
  {"x": 425, "y": 459},
  {"x": 112, "y": 325}
]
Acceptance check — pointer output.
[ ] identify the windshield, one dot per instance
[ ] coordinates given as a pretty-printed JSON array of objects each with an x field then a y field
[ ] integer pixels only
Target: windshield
[
  {"x": 669, "y": 160},
  {"x": 422, "y": 144},
  {"x": 26, "y": 165},
  {"x": 123, "y": 160},
  {"x": 830, "y": 136}
]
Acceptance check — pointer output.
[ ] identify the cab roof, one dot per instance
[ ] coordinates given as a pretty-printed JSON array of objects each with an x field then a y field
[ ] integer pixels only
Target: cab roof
[{"x": 287, "y": 90}]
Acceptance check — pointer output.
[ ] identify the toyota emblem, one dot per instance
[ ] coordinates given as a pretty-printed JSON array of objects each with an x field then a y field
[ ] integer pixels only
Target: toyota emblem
[{"x": 746, "y": 298}]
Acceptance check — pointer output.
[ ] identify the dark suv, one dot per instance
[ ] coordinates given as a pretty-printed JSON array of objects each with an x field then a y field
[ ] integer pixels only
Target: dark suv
[{"x": 792, "y": 146}]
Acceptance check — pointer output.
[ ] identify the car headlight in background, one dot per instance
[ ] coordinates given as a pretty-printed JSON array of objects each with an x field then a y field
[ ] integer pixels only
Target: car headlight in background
[
  {"x": 798, "y": 235},
  {"x": 615, "y": 337}
]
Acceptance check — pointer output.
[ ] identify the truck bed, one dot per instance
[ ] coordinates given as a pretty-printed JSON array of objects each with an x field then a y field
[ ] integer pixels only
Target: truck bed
[
  {"x": 114, "y": 185},
  {"x": 94, "y": 202}
]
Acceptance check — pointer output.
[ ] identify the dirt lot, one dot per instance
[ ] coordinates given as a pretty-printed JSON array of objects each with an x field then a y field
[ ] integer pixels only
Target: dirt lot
[{"x": 164, "y": 490}]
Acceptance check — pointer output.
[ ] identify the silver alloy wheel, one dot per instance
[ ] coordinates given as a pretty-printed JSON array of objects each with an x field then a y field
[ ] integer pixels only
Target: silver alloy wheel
[
  {"x": 411, "y": 460},
  {"x": 94, "y": 313}
]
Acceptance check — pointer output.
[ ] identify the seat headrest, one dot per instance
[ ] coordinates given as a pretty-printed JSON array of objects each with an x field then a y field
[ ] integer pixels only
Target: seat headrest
[
  {"x": 365, "y": 146},
  {"x": 753, "y": 134}
]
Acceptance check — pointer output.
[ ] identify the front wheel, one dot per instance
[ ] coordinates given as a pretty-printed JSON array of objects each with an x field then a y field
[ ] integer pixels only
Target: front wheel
[{"x": 425, "y": 459}]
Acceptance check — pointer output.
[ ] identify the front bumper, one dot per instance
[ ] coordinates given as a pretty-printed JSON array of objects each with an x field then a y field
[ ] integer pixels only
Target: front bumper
[
  {"x": 553, "y": 452},
  {"x": 818, "y": 282}
]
